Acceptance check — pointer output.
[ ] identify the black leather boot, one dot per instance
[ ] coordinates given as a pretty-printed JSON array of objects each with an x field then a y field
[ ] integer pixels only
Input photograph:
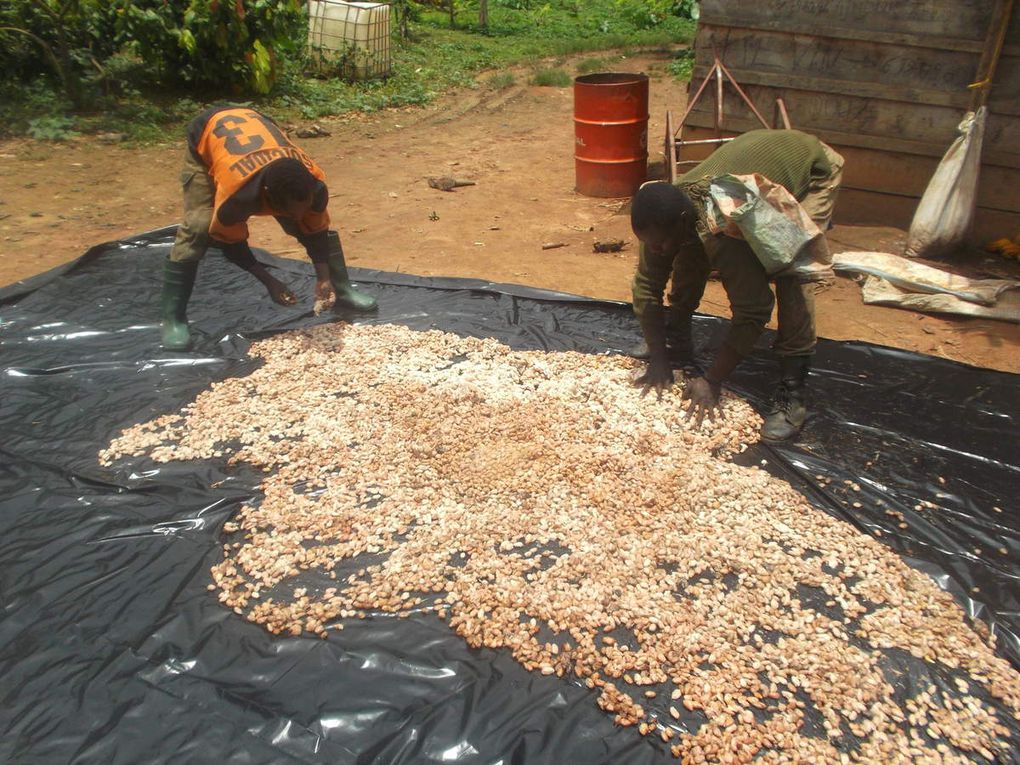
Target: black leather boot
[{"x": 788, "y": 408}]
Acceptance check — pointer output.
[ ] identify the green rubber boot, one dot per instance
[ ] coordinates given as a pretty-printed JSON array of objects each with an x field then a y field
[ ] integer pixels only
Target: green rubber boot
[
  {"x": 178, "y": 281},
  {"x": 347, "y": 296}
]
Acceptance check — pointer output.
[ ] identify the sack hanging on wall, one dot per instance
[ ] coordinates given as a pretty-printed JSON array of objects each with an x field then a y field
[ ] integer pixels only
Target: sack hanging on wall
[{"x": 946, "y": 210}]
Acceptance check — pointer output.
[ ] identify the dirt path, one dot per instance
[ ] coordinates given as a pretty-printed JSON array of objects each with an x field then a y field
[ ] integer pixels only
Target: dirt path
[{"x": 58, "y": 200}]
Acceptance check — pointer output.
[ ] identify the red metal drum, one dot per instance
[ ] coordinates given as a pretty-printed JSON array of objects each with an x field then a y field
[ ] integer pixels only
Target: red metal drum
[{"x": 610, "y": 133}]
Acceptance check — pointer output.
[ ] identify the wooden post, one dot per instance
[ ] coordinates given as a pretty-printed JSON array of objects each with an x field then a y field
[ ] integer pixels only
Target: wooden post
[
  {"x": 718, "y": 99},
  {"x": 994, "y": 41}
]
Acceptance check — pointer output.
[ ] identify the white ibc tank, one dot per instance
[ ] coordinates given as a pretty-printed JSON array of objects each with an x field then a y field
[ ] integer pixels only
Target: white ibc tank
[{"x": 353, "y": 36}]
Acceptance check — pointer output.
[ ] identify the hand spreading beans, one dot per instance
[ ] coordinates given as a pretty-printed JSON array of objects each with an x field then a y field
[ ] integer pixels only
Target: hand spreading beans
[{"x": 538, "y": 504}]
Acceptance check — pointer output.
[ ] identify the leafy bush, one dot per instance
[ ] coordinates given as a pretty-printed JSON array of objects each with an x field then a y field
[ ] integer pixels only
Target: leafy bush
[
  {"x": 51, "y": 128},
  {"x": 645, "y": 14},
  {"x": 682, "y": 66},
  {"x": 90, "y": 44},
  {"x": 213, "y": 43},
  {"x": 143, "y": 67},
  {"x": 62, "y": 38}
]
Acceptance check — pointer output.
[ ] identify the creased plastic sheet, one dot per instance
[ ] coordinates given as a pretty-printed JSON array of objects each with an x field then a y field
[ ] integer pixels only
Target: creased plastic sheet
[
  {"x": 896, "y": 281},
  {"x": 113, "y": 651}
]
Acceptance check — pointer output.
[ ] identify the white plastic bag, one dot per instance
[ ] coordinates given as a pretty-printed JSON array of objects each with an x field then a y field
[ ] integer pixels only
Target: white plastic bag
[{"x": 946, "y": 210}]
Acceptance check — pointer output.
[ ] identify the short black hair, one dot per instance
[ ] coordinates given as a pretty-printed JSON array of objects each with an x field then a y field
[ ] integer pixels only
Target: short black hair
[
  {"x": 288, "y": 180},
  {"x": 662, "y": 207}
]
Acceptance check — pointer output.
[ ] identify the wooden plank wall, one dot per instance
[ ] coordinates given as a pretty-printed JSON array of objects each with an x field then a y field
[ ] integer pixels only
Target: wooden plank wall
[{"x": 883, "y": 81}]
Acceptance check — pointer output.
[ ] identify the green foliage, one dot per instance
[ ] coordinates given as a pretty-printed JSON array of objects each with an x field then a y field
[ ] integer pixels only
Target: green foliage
[
  {"x": 437, "y": 58},
  {"x": 53, "y": 128},
  {"x": 555, "y": 78},
  {"x": 571, "y": 26},
  {"x": 645, "y": 14},
  {"x": 501, "y": 81},
  {"x": 213, "y": 43},
  {"x": 22, "y": 103},
  {"x": 64, "y": 39},
  {"x": 144, "y": 67},
  {"x": 339, "y": 63},
  {"x": 682, "y": 66},
  {"x": 589, "y": 65},
  {"x": 231, "y": 44}
]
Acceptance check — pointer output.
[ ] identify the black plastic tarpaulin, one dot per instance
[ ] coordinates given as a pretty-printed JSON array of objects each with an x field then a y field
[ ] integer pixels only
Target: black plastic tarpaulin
[{"x": 113, "y": 651}]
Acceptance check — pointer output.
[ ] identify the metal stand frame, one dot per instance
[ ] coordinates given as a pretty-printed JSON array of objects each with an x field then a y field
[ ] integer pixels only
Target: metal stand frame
[{"x": 673, "y": 141}]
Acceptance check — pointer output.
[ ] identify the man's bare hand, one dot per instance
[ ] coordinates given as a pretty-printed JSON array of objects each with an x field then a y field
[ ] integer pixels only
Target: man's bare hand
[
  {"x": 704, "y": 398},
  {"x": 658, "y": 375},
  {"x": 325, "y": 297},
  {"x": 280, "y": 294}
]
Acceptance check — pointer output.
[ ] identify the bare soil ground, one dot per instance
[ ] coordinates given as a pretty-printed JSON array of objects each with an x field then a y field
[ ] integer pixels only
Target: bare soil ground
[{"x": 56, "y": 200}]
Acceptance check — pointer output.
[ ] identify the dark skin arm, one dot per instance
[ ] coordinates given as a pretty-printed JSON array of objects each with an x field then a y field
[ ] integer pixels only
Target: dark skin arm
[
  {"x": 657, "y": 375},
  {"x": 659, "y": 251},
  {"x": 277, "y": 290},
  {"x": 296, "y": 210},
  {"x": 240, "y": 254},
  {"x": 751, "y": 301}
]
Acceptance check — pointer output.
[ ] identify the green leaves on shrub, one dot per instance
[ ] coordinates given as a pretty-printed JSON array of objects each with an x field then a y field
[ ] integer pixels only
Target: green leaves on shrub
[
  {"x": 231, "y": 45},
  {"x": 645, "y": 14},
  {"x": 54, "y": 128},
  {"x": 213, "y": 43}
]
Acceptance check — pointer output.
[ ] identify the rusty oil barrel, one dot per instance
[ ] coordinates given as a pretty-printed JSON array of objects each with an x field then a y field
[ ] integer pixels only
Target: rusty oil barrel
[{"x": 610, "y": 133}]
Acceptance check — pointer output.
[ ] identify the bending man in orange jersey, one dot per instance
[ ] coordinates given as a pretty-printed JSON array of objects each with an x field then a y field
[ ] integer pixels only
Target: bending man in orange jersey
[{"x": 239, "y": 163}]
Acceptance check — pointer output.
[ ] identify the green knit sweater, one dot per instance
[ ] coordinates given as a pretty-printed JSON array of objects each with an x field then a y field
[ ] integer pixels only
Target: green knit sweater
[{"x": 787, "y": 157}]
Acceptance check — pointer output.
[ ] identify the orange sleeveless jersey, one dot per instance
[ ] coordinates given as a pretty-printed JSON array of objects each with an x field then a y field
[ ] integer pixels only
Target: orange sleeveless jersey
[{"x": 235, "y": 145}]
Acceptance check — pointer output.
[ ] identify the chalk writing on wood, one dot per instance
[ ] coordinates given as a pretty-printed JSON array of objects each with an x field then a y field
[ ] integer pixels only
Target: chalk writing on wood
[
  {"x": 966, "y": 19},
  {"x": 846, "y": 60}
]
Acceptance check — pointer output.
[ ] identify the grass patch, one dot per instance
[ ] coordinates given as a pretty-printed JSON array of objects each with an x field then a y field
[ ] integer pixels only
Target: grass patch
[
  {"x": 551, "y": 78},
  {"x": 590, "y": 65},
  {"x": 500, "y": 81}
]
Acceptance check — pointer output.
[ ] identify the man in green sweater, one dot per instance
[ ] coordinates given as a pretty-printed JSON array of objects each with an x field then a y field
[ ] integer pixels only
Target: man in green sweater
[{"x": 671, "y": 221}]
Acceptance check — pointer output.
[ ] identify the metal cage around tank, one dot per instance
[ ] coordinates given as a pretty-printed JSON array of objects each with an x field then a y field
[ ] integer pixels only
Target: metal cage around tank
[{"x": 350, "y": 38}]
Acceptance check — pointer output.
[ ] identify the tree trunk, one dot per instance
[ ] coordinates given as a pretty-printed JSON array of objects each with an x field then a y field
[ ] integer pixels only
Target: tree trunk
[
  {"x": 61, "y": 58},
  {"x": 483, "y": 14},
  {"x": 61, "y": 64},
  {"x": 403, "y": 16}
]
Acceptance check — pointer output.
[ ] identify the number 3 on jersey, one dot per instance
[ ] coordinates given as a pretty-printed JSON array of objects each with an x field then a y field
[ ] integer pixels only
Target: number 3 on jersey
[
  {"x": 234, "y": 138},
  {"x": 240, "y": 136}
]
